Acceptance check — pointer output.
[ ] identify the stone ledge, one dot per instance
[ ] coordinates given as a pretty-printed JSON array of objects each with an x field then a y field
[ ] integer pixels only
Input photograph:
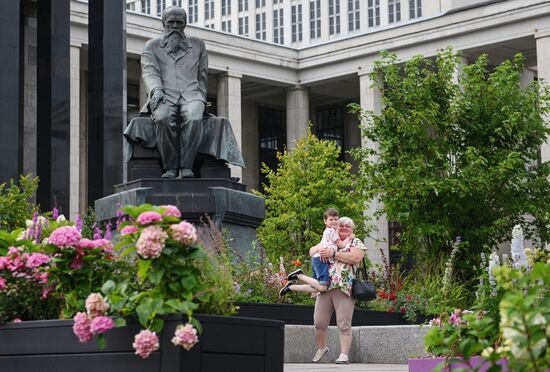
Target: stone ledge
[{"x": 370, "y": 344}]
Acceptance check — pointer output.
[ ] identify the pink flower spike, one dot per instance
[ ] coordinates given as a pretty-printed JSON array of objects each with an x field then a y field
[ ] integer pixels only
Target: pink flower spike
[
  {"x": 171, "y": 211},
  {"x": 65, "y": 236},
  {"x": 101, "y": 324},
  {"x": 129, "y": 229},
  {"x": 185, "y": 336},
  {"x": 147, "y": 218},
  {"x": 145, "y": 343},
  {"x": 81, "y": 327}
]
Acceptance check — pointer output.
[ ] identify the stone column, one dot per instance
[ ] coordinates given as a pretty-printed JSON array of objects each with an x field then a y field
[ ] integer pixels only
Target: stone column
[
  {"x": 543, "y": 70},
  {"x": 11, "y": 152},
  {"x": 74, "y": 161},
  {"x": 371, "y": 99},
  {"x": 462, "y": 61},
  {"x": 229, "y": 106},
  {"x": 106, "y": 95},
  {"x": 251, "y": 155},
  {"x": 297, "y": 114},
  {"x": 53, "y": 93},
  {"x": 527, "y": 77}
]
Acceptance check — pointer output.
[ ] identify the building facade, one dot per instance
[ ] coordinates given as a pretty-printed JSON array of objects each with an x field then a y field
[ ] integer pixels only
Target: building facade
[{"x": 275, "y": 65}]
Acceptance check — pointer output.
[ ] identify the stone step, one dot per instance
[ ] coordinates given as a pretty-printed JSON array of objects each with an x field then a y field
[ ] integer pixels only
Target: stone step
[{"x": 370, "y": 344}]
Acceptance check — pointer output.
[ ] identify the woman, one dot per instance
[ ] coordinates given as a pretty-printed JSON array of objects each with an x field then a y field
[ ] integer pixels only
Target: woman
[{"x": 338, "y": 296}]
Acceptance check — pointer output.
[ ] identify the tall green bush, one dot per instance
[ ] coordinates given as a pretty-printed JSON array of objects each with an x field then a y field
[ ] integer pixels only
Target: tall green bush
[
  {"x": 457, "y": 157},
  {"x": 308, "y": 179}
]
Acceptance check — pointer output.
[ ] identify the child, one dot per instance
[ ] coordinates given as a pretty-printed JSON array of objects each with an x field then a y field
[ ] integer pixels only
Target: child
[{"x": 320, "y": 280}]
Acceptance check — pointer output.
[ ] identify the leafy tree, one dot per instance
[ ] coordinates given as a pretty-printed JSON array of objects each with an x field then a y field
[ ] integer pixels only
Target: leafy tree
[
  {"x": 308, "y": 179},
  {"x": 457, "y": 157},
  {"x": 15, "y": 202}
]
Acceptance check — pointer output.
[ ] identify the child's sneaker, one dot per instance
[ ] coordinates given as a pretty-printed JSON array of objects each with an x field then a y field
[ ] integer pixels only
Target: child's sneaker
[
  {"x": 319, "y": 354},
  {"x": 294, "y": 275},
  {"x": 285, "y": 289}
]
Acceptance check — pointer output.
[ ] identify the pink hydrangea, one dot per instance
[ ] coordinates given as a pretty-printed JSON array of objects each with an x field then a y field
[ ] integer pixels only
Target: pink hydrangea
[
  {"x": 146, "y": 218},
  {"x": 184, "y": 232},
  {"x": 129, "y": 229},
  {"x": 185, "y": 336},
  {"x": 3, "y": 262},
  {"x": 65, "y": 236},
  {"x": 77, "y": 263},
  {"x": 151, "y": 242},
  {"x": 145, "y": 343},
  {"x": 81, "y": 327},
  {"x": 171, "y": 210},
  {"x": 3, "y": 282},
  {"x": 101, "y": 324},
  {"x": 36, "y": 259},
  {"x": 96, "y": 305}
]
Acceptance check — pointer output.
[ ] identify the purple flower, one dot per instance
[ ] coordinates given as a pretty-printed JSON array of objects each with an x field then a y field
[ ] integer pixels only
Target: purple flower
[
  {"x": 55, "y": 213},
  {"x": 78, "y": 223}
]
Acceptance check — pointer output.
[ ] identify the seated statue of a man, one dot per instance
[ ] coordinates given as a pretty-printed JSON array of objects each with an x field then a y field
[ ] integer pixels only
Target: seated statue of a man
[{"x": 175, "y": 71}]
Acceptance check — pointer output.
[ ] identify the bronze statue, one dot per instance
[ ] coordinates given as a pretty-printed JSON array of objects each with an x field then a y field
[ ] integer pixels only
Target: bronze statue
[{"x": 175, "y": 71}]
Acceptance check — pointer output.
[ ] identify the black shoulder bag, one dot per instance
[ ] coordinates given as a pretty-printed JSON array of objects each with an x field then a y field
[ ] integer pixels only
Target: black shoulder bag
[{"x": 362, "y": 289}]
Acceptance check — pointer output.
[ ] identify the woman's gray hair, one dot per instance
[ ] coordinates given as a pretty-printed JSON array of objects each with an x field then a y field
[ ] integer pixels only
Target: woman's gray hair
[{"x": 346, "y": 221}]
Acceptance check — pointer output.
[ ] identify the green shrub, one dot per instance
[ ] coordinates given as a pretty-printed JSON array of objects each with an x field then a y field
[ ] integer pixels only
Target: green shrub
[{"x": 15, "y": 202}]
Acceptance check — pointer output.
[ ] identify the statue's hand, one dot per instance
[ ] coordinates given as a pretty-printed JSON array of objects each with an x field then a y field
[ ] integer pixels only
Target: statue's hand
[{"x": 158, "y": 96}]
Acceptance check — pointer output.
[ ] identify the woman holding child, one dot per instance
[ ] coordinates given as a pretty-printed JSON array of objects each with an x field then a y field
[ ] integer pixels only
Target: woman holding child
[{"x": 337, "y": 296}]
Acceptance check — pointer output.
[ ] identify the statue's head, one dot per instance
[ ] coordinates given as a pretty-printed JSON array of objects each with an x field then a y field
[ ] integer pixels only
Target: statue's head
[{"x": 174, "y": 18}]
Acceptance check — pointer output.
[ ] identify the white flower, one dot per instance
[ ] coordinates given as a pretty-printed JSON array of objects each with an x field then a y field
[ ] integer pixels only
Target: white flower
[{"x": 60, "y": 218}]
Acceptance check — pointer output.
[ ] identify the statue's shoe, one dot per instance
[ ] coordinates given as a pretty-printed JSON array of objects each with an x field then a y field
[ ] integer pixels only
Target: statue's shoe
[
  {"x": 170, "y": 173},
  {"x": 187, "y": 173}
]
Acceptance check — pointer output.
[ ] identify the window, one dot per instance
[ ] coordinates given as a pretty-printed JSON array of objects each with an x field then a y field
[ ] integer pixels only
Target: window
[
  {"x": 243, "y": 5},
  {"x": 296, "y": 23},
  {"x": 354, "y": 19},
  {"x": 374, "y": 12},
  {"x": 243, "y": 26},
  {"x": 226, "y": 7},
  {"x": 161, "y": 4},
  {"x": 208, "y": 9},
  {"x": 415, "y": 8},
  {"x": 278, "y": 22},
  {"x": 226, "y": 26},
  {"x": 146, "y": 6},
  {"x": 193, "y": 14},
  {"x": 131, "y": 6},
  {"x": 315, "y": 19},
  {"x": 177, "y": 3},
  {"x": 260, "y": 3},
  {"x": 330, "y": 125},
  {"x": 260, "y": 26},
  {"x": 272, "y": 137},
  {"x": 334, "y": 17},
  {"x": 394, "y": 10}
]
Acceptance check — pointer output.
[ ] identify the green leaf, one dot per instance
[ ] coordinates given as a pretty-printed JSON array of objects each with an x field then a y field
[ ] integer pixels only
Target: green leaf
[
  {"x": 108, "y": 287},
  {"x": 157, "y": 325},
  {"x": 143, "y": 269},
  {"x": 101, "y": 341},
  {"x": 120, "y": 322},
  {"x": 144, "y": 311}
]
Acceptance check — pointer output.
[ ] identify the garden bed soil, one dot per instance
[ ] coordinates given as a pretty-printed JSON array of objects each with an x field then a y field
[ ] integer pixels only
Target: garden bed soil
[
  {"x": 428, "y": 364},
  {"x": 243, "y": 344},
  {"x": 303, "y": 314}
]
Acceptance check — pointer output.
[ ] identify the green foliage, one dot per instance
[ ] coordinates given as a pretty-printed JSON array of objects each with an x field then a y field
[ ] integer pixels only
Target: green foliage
[
  {"x": 15, "y": 202},
  {"x": 457, "y": 158},
  {"x": 89, "y": 223},
  {"x": 525, "y": 317},
  {"x": 308, "y": 179}
]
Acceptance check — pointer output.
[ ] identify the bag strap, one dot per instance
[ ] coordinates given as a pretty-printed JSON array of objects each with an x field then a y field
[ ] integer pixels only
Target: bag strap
[{"x": 362, "y": 269}]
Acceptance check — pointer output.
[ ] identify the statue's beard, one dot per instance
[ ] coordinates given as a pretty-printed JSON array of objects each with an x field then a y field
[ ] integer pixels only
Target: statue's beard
[{"x": 173, "y": 41}]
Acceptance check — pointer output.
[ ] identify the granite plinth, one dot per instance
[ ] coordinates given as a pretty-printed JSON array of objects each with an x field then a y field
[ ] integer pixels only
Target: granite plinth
[{"x": 223, "y": 200}]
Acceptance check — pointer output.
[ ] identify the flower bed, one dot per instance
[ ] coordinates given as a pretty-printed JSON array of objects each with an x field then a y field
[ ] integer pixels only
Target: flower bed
[{"x": 50, "y": 346}]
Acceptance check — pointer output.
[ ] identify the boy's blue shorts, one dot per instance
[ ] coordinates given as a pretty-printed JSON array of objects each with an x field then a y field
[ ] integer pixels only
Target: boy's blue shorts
[{"x": 320, "y": 270}]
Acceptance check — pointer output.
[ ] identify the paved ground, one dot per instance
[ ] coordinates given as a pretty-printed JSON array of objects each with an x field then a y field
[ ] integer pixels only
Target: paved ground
[{"x": 310, "y": 367}]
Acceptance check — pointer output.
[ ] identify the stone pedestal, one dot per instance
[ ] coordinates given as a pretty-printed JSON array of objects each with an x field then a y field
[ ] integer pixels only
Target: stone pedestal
[{"x": 223, "y": 200}]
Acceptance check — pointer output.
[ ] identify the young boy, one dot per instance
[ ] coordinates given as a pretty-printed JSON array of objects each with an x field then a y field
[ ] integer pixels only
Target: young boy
[{"x": 320, "y": 280}]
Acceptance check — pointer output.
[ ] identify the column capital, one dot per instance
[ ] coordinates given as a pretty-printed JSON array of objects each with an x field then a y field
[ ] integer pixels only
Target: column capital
[
  {"x": 365, "y": 70},
  {"x": 231, "y": 73},
  {"x": 545, "y": 32},
  {"x": 297, "y": 87}
]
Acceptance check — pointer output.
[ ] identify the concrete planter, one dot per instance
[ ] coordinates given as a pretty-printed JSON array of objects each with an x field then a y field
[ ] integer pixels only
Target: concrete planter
[
  {"x": 428, "y": 364},
  {"x": 303, "y": 314},
  {"x": 243, "y": 344}
]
